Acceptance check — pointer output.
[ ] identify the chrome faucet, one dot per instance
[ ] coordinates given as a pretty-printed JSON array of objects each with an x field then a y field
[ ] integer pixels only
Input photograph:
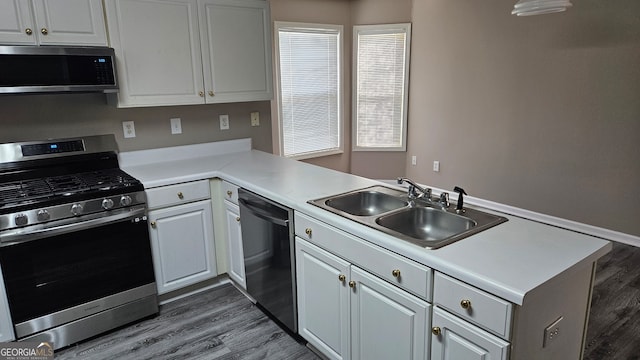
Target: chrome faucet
[
  {"x": 444, "y": 200},
  {"x": 413, "y": 194}
]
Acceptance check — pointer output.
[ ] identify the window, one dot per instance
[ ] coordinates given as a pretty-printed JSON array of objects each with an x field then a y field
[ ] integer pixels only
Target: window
[
  {"x": 309, "y": 89},
  {"x": 381, "y": 81}
]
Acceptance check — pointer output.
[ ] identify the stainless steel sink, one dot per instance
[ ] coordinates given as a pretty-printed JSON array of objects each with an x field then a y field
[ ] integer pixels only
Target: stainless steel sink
[
  {"x": 420, "y": 222},
  {"x": 366, "y": 203},
  {"x": 426, "y": 223}
]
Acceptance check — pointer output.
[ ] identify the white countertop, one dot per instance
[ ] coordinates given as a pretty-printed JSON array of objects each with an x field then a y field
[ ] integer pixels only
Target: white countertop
[{"x": 508, "y": 260}]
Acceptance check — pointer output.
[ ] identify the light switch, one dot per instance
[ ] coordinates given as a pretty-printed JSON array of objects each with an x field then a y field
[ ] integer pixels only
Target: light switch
[
  {"x": 224, "y": 122},
  {"x": 176, "y": 126}
]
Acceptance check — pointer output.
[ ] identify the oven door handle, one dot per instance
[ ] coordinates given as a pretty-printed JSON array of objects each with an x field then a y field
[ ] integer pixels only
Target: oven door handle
[{"x": 24, "y": 234}]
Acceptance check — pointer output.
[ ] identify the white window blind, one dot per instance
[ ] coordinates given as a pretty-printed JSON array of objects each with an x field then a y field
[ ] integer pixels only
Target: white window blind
[
  {"x": 309, "y": 89},
  {"x": 381, "y": 70}
]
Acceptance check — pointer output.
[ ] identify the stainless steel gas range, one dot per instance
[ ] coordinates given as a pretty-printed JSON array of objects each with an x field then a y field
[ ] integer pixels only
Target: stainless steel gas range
[{"x": 74, "y": 243}]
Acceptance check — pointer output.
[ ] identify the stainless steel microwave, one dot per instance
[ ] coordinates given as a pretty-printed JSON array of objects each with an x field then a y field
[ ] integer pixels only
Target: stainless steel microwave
[{"x": 47, "y": 69}]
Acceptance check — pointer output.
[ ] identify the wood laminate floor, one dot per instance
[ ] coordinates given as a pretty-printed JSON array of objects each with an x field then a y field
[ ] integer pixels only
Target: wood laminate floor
[
  {"x": 223, "y": 324},
  {"x": 219, "y": 324},
  {"x": 614, "y": 320}
]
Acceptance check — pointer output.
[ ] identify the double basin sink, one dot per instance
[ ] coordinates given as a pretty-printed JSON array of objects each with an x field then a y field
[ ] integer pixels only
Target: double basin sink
[{"x": 421, "y": 222}]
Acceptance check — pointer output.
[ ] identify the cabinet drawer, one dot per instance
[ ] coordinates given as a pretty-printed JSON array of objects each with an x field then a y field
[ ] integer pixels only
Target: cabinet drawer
[
  {"x": 178, "y": 194},
  {"x": 230, "y": 192},
  {"x": 400, "y": 271},
  {"x": 472, "y": 304}
]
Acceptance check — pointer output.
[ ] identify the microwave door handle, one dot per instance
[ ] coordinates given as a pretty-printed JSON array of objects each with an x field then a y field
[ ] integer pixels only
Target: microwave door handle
[{"x": 263, "y": 214}]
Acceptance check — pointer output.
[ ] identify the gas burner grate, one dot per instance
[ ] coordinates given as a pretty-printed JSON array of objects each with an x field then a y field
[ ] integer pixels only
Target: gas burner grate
[
  {"x": 108, "y": 179},
  {"x": 66, "y": 184},
  {"x": 23, "y": 191}
]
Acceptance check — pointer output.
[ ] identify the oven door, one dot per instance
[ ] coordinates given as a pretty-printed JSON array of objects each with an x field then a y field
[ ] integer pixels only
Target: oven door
[{"x": 60, "y": 274}]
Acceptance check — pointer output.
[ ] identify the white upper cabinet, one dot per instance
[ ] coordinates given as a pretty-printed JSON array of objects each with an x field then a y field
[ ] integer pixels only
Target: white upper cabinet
[
  {"x": 157, "y": 50},
  {"x": 190, "y": 52},
  {"x": 52, "y": 22},
  {"x": 236, "y": 50}
]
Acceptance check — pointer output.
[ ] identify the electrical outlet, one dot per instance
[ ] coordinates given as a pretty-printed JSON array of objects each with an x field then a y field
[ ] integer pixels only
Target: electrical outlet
[
  {"x": 414, "y": 160},
  {"x": 176, "y": 126},
  {"x": 129, "y": 129},
  {"x": 224, "y": 122},
  {"x": 436, "y": 166},
  {"x": 552, "y": 332},
  {"x": 255, "y": 118}
]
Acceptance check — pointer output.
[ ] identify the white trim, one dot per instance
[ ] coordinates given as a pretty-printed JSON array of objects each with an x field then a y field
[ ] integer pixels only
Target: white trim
[
  {"x": 218, "y": 282},
  {"x": 579, "y": 227},
  {"x": 316, "y": 154},
  {"x": 379, "y": 29},
  {"x": 557, "y": 221}
]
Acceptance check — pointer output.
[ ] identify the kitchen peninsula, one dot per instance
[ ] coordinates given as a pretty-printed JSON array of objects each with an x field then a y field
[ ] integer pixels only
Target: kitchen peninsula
[{"x": 538, "y": 277}]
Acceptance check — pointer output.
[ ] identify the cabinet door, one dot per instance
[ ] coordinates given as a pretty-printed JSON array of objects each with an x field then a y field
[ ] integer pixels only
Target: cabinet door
[
  {"x": 455, "y": 339},
  {"x": 70, "y": 22},
  {"x": 323, "y": 300},
  {"x": 157, "y": 47},
  {"x": 234, "y": 236},
  {"x": 182, "y": 245},
  {"x": 236, "y": 50},
  {"x": 16, "y": 20},
  {"x": 386, "y": 322},
  {"x": 6, "y": 327}
]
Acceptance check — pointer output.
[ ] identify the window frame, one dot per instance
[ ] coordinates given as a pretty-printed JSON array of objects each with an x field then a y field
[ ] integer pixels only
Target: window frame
[
  {"x": 380, "y": 29},
  {"x": 317, "y": 28}
]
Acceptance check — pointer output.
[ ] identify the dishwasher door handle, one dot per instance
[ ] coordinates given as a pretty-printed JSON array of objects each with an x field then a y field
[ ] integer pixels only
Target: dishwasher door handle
[{"x": 263, "y": 214}]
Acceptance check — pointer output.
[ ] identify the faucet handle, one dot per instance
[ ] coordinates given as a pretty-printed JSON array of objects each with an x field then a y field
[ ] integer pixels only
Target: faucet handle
[
  {"x": 412, "y": 192},
  {"x": 444, "y": 199},
  {"x": 427, "y": 194}
]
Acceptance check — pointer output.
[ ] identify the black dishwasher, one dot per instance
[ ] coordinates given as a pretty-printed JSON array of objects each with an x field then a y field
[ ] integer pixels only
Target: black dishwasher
[{"x": 269, "y": 257}]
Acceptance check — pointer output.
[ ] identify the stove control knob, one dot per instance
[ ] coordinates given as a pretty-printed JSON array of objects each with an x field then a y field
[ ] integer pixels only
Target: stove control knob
[
  {"x": 107, "y": 204},
  {"x": 21, "y": 219},
  {"x": 43, "y": 215},
  {"x": 125, "y": 200},
  {"x": 76, "y": 209}
]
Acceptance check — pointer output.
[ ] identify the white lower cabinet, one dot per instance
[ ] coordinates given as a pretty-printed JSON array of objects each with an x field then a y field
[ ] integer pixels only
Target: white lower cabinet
[
  {"x": 357, "y": 300},
  {"x": 455, "y": 339},
  {"x": 348, "y": 313},
  {"x": 181, "y": 231},
  {"x": 234, "y": 237},
  {"x": 323, "y": 300},
  {"x": 386, "y": 322}
]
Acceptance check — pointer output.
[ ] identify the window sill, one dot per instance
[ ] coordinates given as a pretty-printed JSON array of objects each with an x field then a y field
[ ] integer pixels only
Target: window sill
[{"x": 315, "y": 154}]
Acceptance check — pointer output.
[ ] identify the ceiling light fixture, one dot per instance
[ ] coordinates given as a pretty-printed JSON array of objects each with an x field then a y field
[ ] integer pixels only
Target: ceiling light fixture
[{"x": 537, "y": 7}]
